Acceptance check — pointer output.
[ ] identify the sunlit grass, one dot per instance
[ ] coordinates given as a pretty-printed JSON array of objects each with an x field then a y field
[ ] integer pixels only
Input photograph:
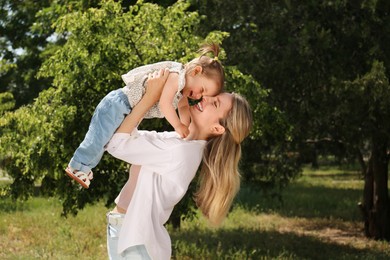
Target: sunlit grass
[
  {"x": 332, "y": 177},
  {"x": 316, "y": 218},
  {"x": 35, "y": 230}
]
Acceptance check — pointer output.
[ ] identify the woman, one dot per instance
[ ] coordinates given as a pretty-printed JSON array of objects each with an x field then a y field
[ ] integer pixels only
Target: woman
[{"x": 164, "y": 165}]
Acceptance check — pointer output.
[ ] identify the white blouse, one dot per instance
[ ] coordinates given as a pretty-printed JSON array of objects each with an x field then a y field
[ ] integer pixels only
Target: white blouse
[{"x": 168, "y": 164}]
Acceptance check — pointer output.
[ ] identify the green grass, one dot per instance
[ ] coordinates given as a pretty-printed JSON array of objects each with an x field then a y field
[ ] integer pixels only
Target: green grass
[
  {"x": 321, "y": 194},
  {"x": 35, "y": 230},
  {"x": 317, "y": 218}
]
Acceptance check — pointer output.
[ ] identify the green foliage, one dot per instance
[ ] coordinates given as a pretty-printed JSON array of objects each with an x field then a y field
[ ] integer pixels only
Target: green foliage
[
  {"x": 33, "y": 141},
  {"x": 5, "y": 66},
  {"x": 325, "y": 66},
  {"x": 366, "y": 97},
  {"x": 21, "y": 47},
  {"x": 7, "y": 102},
  {"x": 101, "y": 43},
  {"x": 298, "y": 50},
  {"x": 267, "y": 158}
]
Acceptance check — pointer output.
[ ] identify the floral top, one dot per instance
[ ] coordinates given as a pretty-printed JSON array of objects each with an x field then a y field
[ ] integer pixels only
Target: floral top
[{"x": 136, "y": 78}]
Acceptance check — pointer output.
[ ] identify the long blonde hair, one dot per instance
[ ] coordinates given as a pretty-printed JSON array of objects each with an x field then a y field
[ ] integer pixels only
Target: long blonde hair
[
  {"x": 219, "y": 179},
  {"x": 211, "y": 67}
]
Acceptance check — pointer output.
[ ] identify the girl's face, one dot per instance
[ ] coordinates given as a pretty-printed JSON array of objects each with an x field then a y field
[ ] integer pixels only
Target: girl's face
[
  {"x": 208, "y": 112},
  {"x": 197, "y": 85}
]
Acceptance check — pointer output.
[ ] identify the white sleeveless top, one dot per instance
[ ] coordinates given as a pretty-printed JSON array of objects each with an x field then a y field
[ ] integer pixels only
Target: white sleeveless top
[
  {"x": 136, "y": 78},
  {"x": 168, "y": 164}
]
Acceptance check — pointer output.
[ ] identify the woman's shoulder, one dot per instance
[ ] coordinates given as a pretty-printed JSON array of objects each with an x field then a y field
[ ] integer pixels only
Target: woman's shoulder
[
  {"x": 172, "y": 138},
  {"x": 158, "y": 135}
]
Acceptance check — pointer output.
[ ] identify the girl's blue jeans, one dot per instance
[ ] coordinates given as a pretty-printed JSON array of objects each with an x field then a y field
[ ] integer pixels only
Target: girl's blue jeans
[{"x": 107, "y": 117}]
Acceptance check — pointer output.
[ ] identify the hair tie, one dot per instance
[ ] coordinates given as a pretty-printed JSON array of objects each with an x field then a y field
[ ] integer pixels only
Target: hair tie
[{"x": 216, "y": 58}]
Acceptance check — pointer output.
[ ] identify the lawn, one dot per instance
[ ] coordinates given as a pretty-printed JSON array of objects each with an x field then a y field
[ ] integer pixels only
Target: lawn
[{"x": 317, "y": 218}]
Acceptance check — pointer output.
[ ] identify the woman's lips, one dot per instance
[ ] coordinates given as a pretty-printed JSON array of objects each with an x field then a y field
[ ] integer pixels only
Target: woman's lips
[
  {"x": 199, "y": 106},
  {"x": 193, "y": 102}
]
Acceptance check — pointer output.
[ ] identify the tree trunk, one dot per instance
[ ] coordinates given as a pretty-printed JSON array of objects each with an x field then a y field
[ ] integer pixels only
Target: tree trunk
[
  {"x": 361, "y": 162},
  {"x": 376, "y": 199}
]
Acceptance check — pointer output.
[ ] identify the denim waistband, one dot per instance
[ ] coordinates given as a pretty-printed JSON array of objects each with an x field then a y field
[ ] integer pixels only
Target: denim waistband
[
  {"x": 115, "y": 219},
  {"x": 122, "y": 96}
]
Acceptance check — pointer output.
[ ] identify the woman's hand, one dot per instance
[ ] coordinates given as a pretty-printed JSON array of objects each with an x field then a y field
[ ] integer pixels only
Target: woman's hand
[{"x": 155, "y": 84}]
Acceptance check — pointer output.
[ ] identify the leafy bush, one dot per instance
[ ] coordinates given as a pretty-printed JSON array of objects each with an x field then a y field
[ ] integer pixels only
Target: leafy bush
[{"x": 38, "y": 140}]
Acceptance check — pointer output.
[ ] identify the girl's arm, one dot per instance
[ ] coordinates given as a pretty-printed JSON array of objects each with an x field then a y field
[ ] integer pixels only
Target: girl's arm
[
  {"x": 155, "y": 84},
  {"x": 184, "y": 112},
  {"x": 167, "y": 96}
]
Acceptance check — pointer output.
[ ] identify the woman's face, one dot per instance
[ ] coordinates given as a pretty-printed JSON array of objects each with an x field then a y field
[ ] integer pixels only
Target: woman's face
[{"x": 207, "y": 113}]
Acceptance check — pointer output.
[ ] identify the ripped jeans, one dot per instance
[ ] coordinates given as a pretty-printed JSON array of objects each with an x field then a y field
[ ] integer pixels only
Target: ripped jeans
[
  {"x": 114, "y": 225},
  {"x": 107, "y": 117}
]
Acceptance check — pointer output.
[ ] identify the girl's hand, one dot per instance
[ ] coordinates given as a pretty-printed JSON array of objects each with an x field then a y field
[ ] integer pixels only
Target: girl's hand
[
  {"x": 155, "y": 84},
  {"x": 182, "y": 130}
]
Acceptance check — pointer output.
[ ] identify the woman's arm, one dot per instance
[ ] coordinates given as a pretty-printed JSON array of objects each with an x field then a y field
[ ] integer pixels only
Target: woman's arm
[
  {"x": 155, "y": 84},
  {"x": 124, "y": 198}
]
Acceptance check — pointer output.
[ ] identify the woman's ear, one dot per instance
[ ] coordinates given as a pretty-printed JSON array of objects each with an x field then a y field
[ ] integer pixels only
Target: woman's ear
[{"x": 217, "y": 129}]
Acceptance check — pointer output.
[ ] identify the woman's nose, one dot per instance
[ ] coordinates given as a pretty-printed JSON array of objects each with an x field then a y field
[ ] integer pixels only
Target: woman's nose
[
  {"x": 207, "y": 99},
  {"x": 197, "y": 95}
]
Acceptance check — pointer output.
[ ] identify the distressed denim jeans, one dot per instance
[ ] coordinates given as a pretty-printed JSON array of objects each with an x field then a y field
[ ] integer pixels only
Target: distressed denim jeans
[
  {"x": 113, "y": 229},
  {"x": 107, "y": 117}
]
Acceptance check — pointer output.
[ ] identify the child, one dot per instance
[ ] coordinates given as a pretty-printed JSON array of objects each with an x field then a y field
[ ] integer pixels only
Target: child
[{"x": 201, "y": 76}]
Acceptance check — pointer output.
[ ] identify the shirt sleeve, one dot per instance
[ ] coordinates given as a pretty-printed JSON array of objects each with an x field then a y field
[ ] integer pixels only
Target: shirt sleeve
[{"x": 139, "y": 149}]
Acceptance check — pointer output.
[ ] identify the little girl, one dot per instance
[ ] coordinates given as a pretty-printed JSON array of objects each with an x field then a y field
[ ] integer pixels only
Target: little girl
[{"x": 201, "y": 76}]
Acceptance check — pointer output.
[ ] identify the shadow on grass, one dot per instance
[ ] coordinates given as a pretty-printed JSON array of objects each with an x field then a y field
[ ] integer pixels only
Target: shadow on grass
[
  {"x": 8, "y": 205},
  {"x": 251, "y": 244},
  {"x": 338, "y": 176},
  {"x": 300, "y": 200}
]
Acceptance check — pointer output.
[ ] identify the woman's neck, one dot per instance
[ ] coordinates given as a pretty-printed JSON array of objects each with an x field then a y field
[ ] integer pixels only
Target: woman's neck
[{"x": 195, "y": 133}]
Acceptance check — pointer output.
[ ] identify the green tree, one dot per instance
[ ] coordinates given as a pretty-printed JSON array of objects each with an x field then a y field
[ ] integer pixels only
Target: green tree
[
  {"x": 101, "y": 44},
  {"x": 7, "y": 102},
  {"x": 21, "y": 46},
  {"x": 25, "y": 32},
  {"x": 305, "y": 52},
  {"x": 270, "y": 158},
  {"x": 364, "y": 110}
]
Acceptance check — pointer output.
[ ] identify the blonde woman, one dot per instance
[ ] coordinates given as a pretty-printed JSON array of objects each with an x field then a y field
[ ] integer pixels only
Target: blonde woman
[{"x": 163, "y": 166}]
